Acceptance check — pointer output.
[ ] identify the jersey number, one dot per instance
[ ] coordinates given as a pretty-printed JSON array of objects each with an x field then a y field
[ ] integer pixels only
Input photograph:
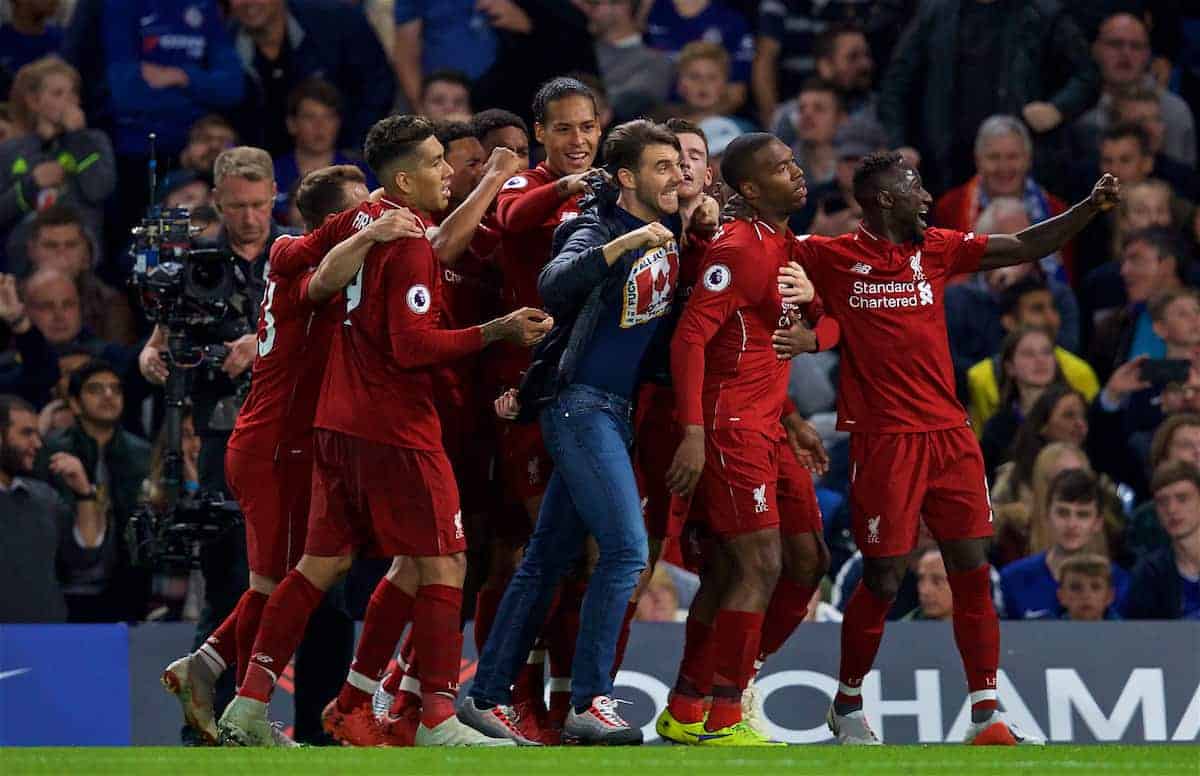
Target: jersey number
[
  {"x": 354, "y": 294},
  {"x": 267, "y": 341}
]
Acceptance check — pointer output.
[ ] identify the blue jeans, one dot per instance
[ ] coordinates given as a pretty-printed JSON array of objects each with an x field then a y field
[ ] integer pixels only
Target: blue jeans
[{"x": 592, "y": 491}]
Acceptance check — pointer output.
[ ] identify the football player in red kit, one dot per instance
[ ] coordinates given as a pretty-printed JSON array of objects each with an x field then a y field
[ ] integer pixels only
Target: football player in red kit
[
  {"x": 468, "y": 285},
  {"x": 731, "y": 393},
  {"x": 528, "y": 209},
  {"x": 381, "y": 480},
  {"x": 268, "y": 462},
  {"x": 913, "y": 455}
]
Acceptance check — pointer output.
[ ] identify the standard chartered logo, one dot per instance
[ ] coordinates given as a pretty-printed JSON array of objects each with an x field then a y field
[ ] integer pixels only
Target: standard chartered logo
[{"x": 890, "y": 295}]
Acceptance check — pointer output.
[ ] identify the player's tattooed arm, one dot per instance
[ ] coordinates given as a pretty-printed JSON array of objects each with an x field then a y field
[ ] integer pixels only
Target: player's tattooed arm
[
  {"x": 1042, "y": 239},
  {"x": 452, "y": 237},
  {"x": 342, "y": 263}
]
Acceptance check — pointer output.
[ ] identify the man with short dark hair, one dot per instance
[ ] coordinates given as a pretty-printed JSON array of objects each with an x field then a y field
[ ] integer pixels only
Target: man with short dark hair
[
  {"x": 390, "y": 341},
  {"x": 497, "y": 127},
  {"x": 34, "y": 519},
  {"x": 885, "y": 285},
  {"x": 1166, "y": 583},
  {"x": 636, "y": 76},
  {"x": 445, "y": 94},
  {"x": 722, "y": 358},
  {"x": 58, "y": 239},
  {"x": 314, "y": 119},
  {"x": 283, "y": 42},
  {"x": 612, "y": 280},
  {"x": 98, "y": 469}
]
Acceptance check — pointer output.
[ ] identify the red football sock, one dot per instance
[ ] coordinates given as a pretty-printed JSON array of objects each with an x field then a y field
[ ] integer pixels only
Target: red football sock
[
  {"x": 249, "y": 615},
  {"x": 388, "y": 613},
  {"x": 220, "y": 649},
  {"x": 562, "y": 628},
  {"x": 788, "y": 607},
  {"x": 562, "y": 632},
  {"x": 530, "y": 684},
  {"x": 486, "y": 604},
  {"x": 279, "y": 633},
  {"x": 737, "y": 635},
  {"x": 862, "y": 630},
  {"x": 623, "y": 638},
  {"x": 439, "y": 648},
  {"x": 695, "y": 673},
  {"x": 977, "y": 635}
]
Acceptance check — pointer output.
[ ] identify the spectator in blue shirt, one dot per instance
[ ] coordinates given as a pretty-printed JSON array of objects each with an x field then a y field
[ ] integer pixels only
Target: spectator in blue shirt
[
  {"x": 672, "y": 24},
  {"x": 1166, "y": 584},
  {"x": 28, "y": 34},
  {"x": 282, "y": 42},
  {"x": 1030, "y": 585},
  {"x": 449, "y": 35},
  {"x": 1085, "y": 589},
  {"x": 168, "y": 64},
  {"x": 314, "y": 118}
]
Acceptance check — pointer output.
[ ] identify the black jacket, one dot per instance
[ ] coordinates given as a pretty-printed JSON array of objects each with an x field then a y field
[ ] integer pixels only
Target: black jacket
[
  {"x": 1154, "y": 591},
  {"x": 575, "y": 286},
  {"x": 1047, "y": 60}
]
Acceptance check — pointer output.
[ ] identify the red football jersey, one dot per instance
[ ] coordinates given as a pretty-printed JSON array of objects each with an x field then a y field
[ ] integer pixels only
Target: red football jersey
[
  {"x": 293, "y": 346},
  {"x": 469, "y": 296},
  {"x": 379, "y": 380},
  {"x": 725, "y": 371},
  {"x": 896, "y": 372},
  {"x": 528, "y": 210}
]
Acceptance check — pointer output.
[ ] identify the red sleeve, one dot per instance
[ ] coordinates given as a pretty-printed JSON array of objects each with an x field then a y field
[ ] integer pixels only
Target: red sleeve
[
  {"x": 789, "y": 406},
  {"x": 519, "y": 209},
  {"x": 291, "y": 255},
  {"x": 961, "y": 252},
  {"x": 828, "y": 330},
  {"x": 717, "y": 295},
  {"x": 410, "y": 282}
]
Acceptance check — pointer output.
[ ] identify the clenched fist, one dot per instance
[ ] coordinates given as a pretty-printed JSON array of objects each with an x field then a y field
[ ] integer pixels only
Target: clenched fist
[{"x": 794, "y": 285}]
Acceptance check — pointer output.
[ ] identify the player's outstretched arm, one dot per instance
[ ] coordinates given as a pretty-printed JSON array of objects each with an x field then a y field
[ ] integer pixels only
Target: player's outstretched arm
[
  {"x": 344, "y": 260},
  {"x": 454, "y": 234},
  {"x": 1034, "y": 242}
]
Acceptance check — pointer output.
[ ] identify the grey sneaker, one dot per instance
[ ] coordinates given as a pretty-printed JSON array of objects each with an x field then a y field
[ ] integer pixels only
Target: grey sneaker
[
  {"x": 497, "y": 722},
  {"x": 600, "y": 725},
  {"x": 452, "y": 732},
  {"x": 996, "y": 730},
  {"x": 851, "y": 729},
  {"x": 245, "y": 723},
  {"x": 191, "y": 682}
]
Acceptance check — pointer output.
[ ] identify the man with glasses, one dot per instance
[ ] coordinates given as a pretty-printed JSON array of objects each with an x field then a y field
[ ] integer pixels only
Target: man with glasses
[
  {"x": 1122, "y": 52},
  {"x": 97, "y": 468}
]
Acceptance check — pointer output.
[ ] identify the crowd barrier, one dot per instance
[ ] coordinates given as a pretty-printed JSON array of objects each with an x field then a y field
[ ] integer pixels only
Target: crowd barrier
[{"x": 77, "y": 685}]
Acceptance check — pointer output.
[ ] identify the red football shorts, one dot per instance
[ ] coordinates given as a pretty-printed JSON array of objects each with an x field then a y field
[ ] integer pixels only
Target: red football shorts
[
  {"x": 656, "y": 438},
  {"x": 470, "y": 446},
  {"x": 388, "y": 500},
  {"x": 525, "y": 466},
  {"x": 274, "y": 499},
  {"x": 799, "y": 512},
  {"x": 898, "y": 479},
  {"x": 737, "y": 491}
]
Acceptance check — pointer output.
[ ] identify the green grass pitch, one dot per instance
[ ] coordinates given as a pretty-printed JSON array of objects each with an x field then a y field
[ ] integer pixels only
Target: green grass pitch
[{"x": 678, "y": 761}]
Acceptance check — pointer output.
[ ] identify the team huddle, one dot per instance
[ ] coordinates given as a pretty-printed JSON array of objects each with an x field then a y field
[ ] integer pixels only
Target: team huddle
[{"x": 632, "y": 390}]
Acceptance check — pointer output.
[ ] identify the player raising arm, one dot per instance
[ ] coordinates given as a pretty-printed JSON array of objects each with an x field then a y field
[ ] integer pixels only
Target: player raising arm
[{"x": 913, "y": 455}]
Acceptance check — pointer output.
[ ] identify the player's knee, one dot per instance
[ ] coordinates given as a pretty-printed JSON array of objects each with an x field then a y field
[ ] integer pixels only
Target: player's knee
[
  {"x": 324, "y": 572},
  {"x": 805, "y": 559},
  {"x": 759, "y": 560},
  {"x": 262, "y": 584}
]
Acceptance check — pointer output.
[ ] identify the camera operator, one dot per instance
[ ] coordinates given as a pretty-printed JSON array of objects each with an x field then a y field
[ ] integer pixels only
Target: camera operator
[{"x": 244, "y": 194}]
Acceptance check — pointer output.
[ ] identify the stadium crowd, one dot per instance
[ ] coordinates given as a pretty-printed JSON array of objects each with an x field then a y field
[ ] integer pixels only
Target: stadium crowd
[{"x": 1080, "y": 372}]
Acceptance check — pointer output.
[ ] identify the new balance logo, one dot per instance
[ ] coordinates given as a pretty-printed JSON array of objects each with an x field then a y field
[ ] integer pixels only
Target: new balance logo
[
  {"x": 262, "y": 657},
  {"x": 861, "y": 268},
  {"x": 873, "y": 529},
  {"x": 458, "y": 525},
  {"x": 760, "y": 498}
]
